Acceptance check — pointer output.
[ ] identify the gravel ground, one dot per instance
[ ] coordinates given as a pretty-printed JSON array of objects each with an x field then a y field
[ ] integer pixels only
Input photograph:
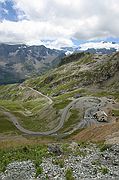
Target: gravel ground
[
  {"x": 86, "y": 163},
  {"x": 24, "y": 170}
]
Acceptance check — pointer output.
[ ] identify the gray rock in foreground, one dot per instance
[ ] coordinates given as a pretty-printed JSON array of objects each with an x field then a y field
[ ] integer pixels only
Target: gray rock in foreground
[
  {"x": 86, "y": 163},
  {"x": 24, "y": 170}
]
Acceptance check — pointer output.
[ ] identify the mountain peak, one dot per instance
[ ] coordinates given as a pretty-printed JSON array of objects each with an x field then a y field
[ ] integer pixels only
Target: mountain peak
[{"x": 17, "y": 62}]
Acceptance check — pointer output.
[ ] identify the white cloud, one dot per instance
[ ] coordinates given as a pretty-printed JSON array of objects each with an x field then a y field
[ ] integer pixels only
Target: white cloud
[
  {"x": 98, "y": 45},
  {"x": 29, "y": 30},
  {"x": 2, "y": 1},
  {"x": 58, "y": 43},
  {"x": 61, "y": 20}
]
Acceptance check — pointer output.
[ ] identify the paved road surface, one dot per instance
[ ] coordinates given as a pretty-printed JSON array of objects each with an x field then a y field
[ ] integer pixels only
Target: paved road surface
[
  {"x": 88, "y": 120},
  {"x": 14, "y": 120}
]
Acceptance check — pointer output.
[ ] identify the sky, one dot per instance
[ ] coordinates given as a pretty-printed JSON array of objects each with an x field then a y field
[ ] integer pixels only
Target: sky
[{"x": 58, "y": 23}]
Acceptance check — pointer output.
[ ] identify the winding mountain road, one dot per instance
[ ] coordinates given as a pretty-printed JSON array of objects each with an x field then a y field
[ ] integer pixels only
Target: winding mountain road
[
  {"x": 86, "y": 121},
  {"x": 88, "y": 118},
  {"x": 14, "y": 120}
]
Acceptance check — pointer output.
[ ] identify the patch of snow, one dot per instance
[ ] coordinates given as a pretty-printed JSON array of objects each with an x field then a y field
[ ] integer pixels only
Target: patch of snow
[
  {"x": 99, "y": 45},
  {"x": 68, "y": 52}
]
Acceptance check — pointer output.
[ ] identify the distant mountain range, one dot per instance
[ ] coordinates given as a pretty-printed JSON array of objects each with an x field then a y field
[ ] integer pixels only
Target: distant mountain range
[
  {"x": 18, "y": 62},
  {"x": 102, "y": 47}
]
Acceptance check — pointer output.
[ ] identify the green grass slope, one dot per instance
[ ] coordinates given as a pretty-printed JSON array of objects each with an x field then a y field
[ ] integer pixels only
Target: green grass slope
[
  {"x": 78, "y": 75},
  {"x": 28, "y": 106},
  {"x": 81, "y": 74}
]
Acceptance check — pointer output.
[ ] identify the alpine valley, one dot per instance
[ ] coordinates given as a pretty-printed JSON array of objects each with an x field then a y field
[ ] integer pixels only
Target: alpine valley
[{"x": 60, "y": 117}]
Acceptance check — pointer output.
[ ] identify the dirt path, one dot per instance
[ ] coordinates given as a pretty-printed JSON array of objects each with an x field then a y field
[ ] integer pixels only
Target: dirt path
[{"x": 49, "y": 99}]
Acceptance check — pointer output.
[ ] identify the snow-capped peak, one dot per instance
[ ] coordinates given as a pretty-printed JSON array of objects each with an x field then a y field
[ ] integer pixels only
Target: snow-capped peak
[{"x": 99, "y": 45}]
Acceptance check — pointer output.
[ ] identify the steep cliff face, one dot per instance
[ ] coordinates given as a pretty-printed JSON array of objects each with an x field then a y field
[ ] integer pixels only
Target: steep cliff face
[{"x": 17, "y": 62}]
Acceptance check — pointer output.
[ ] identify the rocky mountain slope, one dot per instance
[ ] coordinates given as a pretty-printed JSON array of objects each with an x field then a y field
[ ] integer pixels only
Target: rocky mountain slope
[
  {"x": 18, "y": 62},
  {"x": 82, "y": 75},
  {"x": 80, "y": 70}
]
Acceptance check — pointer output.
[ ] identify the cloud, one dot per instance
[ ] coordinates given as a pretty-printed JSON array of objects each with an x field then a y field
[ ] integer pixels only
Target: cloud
[
  {"x": 28, "y": 31},
  {"x": 58, "y": 43},
  {"x": 2, "y": 1},
  {"x": 98, "y": 45},
  {"x": 61, "y": 20}
]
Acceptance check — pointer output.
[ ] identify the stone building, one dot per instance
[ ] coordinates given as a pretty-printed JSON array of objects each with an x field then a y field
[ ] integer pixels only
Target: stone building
[{"x": 101, "y": 116}]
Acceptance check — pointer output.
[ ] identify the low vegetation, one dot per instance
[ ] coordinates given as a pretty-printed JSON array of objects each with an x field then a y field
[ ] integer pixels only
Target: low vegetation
[
  {"x": 69, "y": 174},
  {"x": 34, "y": 153},
  {"x": 59, "y": 162},
  {"x": 115, "y": 112},
  {"x": 28, "y": 107},
  {"x": 104, "y": 170},
  {"x": 61, "y": 104},
  {"x": 72, "y": 121},
  {"x": 6, "y": 127}
]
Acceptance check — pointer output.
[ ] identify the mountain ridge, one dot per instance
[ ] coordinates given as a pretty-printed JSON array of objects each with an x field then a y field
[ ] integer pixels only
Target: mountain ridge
[
  {"x": 102, "y": 47},
  {"x": 17, "y": 62}
]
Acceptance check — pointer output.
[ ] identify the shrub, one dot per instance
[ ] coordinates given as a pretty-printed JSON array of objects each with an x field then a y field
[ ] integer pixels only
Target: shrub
[
  {"x": 69, "y": 174},
  {"x": 39, "y": 170},
  {"x": 104, "y": 170}
]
